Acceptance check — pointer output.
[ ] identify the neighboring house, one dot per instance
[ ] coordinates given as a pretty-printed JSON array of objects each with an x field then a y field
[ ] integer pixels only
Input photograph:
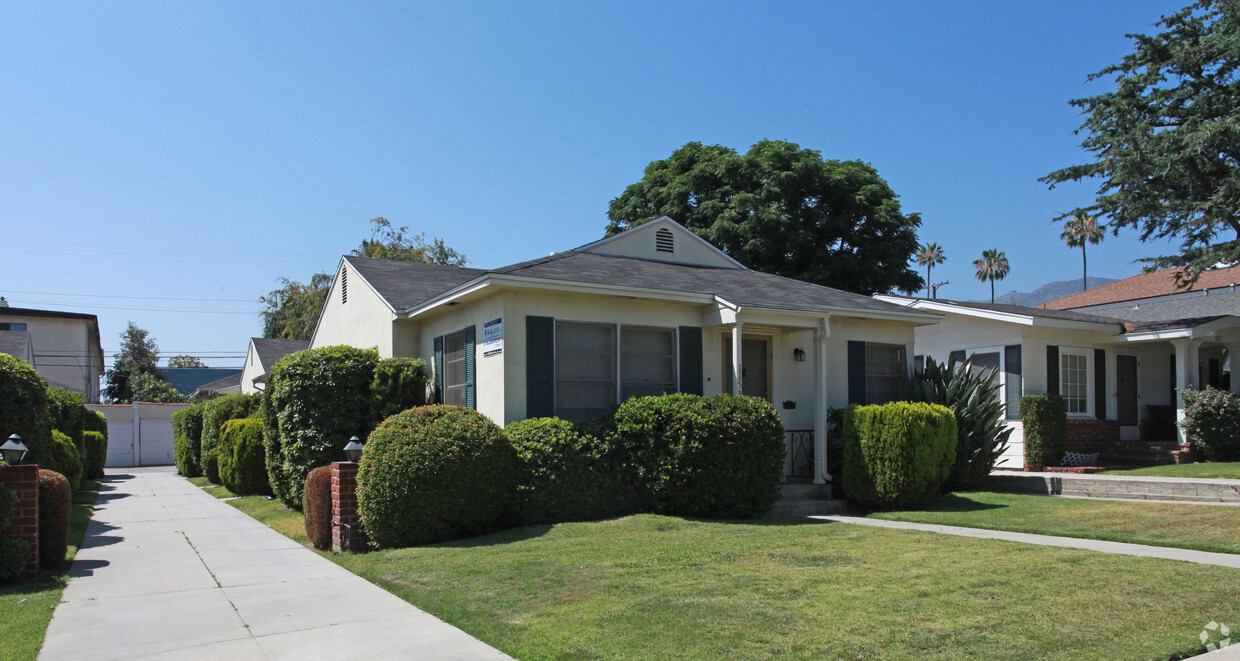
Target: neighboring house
[
  {"x": 1118, "y": 371},
  {"x": 188, "y": 379},
  {"x": 1152, "y": 286},
  {"x": 655, "y": 309},
  {"x": 229, "y": 385},
  {"x": 18, "y": 345},
  {"x": 65, "y": 346},
  {"x": 263, "y": 354}
]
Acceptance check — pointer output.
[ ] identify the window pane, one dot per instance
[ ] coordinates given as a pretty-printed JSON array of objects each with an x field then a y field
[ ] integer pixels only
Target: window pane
[
  {"x": 585, "y": 370},
  {"x": 1074, "y": 382},
  {"x": 886, "y": 374},
  {"x": 647, "y": 361},
  {"x": 454, "y": 369}
]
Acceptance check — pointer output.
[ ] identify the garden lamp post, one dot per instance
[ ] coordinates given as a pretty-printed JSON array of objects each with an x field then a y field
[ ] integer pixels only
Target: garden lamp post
[
  {"x": 353, "y": 450},
  {"x": 13, "y": 450}
]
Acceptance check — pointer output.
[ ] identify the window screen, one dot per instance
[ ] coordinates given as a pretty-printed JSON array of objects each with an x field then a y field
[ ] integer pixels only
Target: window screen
[
  {"x": 585, "y": 370},
  {"x": 454, "y": 369},
  {"x": 885, "y": 373},
  {"x": 647, "y": 361},
  {"x": 1074, "y": 381}
]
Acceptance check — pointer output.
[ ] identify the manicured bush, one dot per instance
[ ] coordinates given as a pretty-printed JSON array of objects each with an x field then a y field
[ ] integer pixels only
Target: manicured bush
[
  {"x": 54, "y": 503},
  {"x": 316, "y": 507},
  {"x": 242, "y": 461},
  {"x": 66, "y": 460},
  {"x": 67, "y": 411},
  {"x": 1212, "y": 422},
  {"x": 96, "y": 421},
  {"x": 14, "y": 553},
  {"x": 563, "y": 474},
  {"x": 1045, "y": 420},
  {"x": 897, "y": 454},
  {"x": 434, "y": 473},
  {"x": 276, "y": 475},
  {"x": 399, "y": 384},
  {"x": 24, "y": 408},
  {"x": 96, "y": 455},
  {"x": 981, "y": 436},
  {"x": 215, "y": 413},
  {"x": 716, "y": 457},
  {"x": 319, "y": 398},
  {"x": 187, "y": 432}
]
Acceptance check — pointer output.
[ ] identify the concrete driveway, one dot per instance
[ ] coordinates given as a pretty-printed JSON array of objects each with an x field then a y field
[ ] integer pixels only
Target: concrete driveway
[{"x": 168, "y": 571}]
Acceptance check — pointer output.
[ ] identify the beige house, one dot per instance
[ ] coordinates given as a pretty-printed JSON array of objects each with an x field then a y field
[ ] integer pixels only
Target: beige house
[
  {"x": 653, "y": 310},
  {"x": 65, "y": 346},
  {"x": 261, "y": 355}
]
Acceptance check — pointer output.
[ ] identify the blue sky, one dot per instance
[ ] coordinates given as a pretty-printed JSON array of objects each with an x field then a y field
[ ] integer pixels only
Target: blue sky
[{"x": 167, "y": 162}]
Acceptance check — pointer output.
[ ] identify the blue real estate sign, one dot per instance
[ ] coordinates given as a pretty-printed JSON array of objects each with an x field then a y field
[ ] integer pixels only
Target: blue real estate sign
[{"x": 493, "y": 337}]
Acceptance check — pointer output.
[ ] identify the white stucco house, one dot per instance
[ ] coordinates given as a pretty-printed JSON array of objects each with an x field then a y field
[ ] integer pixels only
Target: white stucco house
[
  {"x": 64, "y": 346},
  {"x": 260, "y": 356},
  {"x": 653, "y": 310}
]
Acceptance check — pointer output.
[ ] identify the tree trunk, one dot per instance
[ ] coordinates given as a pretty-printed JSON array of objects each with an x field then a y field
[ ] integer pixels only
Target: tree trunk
[
  {"x": 1084, "y": 269},
  {"x": 992, "y": 291}
]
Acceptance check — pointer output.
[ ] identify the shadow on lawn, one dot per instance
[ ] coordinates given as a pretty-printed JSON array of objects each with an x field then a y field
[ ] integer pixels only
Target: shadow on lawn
[{"x": 954, "y": 503}]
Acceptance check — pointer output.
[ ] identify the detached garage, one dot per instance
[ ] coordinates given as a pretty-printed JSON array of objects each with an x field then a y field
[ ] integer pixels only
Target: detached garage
[{"x": 139, "y": 434}]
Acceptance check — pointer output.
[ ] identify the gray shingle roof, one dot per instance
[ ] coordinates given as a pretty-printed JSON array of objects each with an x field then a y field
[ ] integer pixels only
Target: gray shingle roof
[
  {"x": 406, "y": 284},
  {"x": 1169, "y": 324},
  {"x": 270, "y": 351},
  {"x": 1186, "y": 308},
  {"x": 14, "y": 343},
  {"x": 1041, "y": 313},
  {"x": 230, "y": 381}
]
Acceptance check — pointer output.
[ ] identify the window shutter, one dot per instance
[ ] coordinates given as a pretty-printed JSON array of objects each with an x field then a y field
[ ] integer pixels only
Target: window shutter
[
  {"x": 955, "y": 357},
  {"x": 539, "y": 367},
  {"x": 1052, "y": 370},
  {"x": 439, "y": 370},
  {"x": 1012, "y": 374},
  {"x": 1100, "y": 384},
  {"x": 919, "y": 365},
  {"x": 470, "y": 397},
  {"x": 691, "y": 360},
  {"x": 856, "y": 372}
]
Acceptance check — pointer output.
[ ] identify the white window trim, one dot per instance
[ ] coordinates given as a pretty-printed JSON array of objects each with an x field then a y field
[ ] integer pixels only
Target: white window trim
[{"x": 1088, "y": 355}]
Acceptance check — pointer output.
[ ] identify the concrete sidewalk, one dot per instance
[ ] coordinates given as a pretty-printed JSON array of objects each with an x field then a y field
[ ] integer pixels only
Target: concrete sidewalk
[{"x": 168, "y": 571}]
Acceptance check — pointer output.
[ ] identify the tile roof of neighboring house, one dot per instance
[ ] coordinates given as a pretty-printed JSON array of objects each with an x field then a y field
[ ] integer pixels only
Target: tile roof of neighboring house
[
  {"x": 1145, "y": 285},
  {"x": 187, "y": 379},
  {"x": 1209, "y": 306},
  {"x": 1062, "y": 315},
  {"x": 270, "y": 351},
  {"x": 14, "y": 343}
]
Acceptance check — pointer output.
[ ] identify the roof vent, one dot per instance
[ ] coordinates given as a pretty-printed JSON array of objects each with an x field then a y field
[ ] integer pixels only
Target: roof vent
[
  {"x": 344, "y": 285},
  {"x": 663, "y": 241}
]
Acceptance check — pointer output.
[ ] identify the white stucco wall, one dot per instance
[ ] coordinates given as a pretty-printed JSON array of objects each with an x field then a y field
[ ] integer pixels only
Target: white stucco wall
[
  {"x": 139, "y": 434},
  {"x": 363, "y": 321},
  {"x": 488, "y": 371}
]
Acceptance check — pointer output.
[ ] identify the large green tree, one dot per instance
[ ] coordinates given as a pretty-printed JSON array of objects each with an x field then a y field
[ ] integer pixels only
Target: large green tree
[
  {"x": 388, "y": 242},
  {"x": 139, "y": 354},
  {"x": 185, "y": 361},
  {"x": 782, "y": 209},
  {"x": 291, "y": 312},
  {"x": 1166, "y": 139}
]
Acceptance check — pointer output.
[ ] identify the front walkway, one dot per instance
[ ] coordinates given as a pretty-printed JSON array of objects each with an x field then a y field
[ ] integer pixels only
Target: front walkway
[{"x": 168, "y": 571}]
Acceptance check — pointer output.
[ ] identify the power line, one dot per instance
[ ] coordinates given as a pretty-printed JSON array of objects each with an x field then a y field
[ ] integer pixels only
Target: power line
[
  {"x": 92, "y": 306},
  {"x": 148, "y": 298}
]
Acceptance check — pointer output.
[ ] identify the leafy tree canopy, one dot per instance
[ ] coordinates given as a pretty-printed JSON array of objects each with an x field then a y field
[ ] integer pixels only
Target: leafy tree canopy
[
  {"x": 185, "y": 361},
  {"x": 1166, "y": 139},
  {"x": 291, "y": 312},
  {"x": 147, "y": 387},
  {"x": 139, "y": 354},
  {"x": 387, "y": 242},
  {"x": 783, "y": 210}
]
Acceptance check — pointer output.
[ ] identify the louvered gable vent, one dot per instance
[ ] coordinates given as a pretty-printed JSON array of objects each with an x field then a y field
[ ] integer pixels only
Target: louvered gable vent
[{"x": 663, "y": 241}]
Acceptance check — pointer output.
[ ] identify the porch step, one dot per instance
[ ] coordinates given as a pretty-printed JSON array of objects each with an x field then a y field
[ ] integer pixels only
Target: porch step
[
  {"x": 803, "y": 491},
  {"x": 807, "y": 507}
]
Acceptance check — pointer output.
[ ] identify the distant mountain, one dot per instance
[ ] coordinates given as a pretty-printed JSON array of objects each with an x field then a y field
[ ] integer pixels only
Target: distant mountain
[{"x": 1049, "y": 292}]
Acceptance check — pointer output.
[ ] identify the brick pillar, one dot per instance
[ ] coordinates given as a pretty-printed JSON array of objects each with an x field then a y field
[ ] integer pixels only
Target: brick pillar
[
  {"x": 23, "y": 481},
  {"x": 347, "y": 532}
]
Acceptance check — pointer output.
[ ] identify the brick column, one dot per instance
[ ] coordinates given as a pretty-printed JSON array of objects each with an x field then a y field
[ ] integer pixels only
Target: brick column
[
  {"x": 347, "y": 532},
  {"x": 23, "y": 481}
]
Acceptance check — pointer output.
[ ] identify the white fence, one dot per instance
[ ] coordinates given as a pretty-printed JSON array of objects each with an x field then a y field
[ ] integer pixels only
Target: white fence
[{"x": 139, "y": 434}]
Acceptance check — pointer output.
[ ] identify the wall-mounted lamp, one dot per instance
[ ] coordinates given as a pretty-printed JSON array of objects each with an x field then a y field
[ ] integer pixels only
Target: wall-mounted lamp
[
  {"x": 798, "y": 354},
  {"x": 353, "y": 450}
]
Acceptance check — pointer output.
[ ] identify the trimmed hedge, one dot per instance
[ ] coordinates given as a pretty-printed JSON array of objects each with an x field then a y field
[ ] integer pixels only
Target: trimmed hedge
[
  {"x": 318, "y": 399},
  {"x": 67, "y": 411},
  {"x": 432, "y": 474},
  {"x": 897, "y": 454},
  {"x": 316, "y": 507},
  {"x": 24, "y": 408},
  {"x": 399, "y": 384},
  {"x": 54, "y": 503},
  {"x": 96, "y": 421},
  {"x": 65, "y": 460},
  {"x": 96, "y": 455},
  {"x": 563, "y": 474},
  {"x": 716, "y": 457},
  {"x": 214, "y": 414},
  {"x": 1212, "y": 422},
  {"x": 187, "y": 432},
  {"x": 1045, "y": 420},
  {"x": 242, "y": 461},
  {"x": 277, "y": 477}
]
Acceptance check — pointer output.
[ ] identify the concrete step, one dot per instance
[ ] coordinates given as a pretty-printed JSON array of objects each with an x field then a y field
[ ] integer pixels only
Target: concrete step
[
  {"x": 807, "y": 507},
  {"x": 800, "y": 491},
  {"x": 1136, "y": 487}
]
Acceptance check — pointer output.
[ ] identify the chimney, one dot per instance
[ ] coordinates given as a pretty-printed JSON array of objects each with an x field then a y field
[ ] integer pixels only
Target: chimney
[{"x": 3, "y": 303}]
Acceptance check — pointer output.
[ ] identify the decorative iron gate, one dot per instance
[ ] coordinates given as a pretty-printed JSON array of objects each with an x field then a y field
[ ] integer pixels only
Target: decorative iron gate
[{"x": 800, "y": 461}]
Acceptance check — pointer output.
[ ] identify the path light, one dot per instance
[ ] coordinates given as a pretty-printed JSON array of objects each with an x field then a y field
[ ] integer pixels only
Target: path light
[
  {"x": 13, "y": 450},
  {"x": 353, "y": 451}
]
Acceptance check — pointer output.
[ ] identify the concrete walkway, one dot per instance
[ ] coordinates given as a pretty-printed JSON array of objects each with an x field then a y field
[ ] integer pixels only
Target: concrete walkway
[
  {"x": 1231, "y": 560},
  {"x": 168, "y": 571}
]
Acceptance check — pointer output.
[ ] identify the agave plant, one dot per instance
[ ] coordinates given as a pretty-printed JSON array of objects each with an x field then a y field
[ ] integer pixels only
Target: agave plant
[{"x": 974, "y": 398}]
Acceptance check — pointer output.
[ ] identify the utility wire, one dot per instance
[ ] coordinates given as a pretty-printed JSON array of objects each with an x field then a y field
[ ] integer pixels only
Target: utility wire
[{"x": 148, "y": 298}]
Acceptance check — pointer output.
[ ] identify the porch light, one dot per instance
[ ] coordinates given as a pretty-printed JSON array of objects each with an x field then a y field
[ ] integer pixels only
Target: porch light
[
  {"x": 798, "y": 354},
  {"x": 13, "y": 450},
  {"x": 353, "y": 450}
]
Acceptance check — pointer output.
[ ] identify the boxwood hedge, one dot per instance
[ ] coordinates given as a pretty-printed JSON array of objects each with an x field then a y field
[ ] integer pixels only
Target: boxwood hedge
[
  {"x": 96, "y": 454},
  {"x": 187, "y": 439},
  {"x": 316, "y": 507},
  {"x": 1045, "y": 419},
  {"x": 54, "y": 502},
  {"x": 214, "y": 414},
  {"x": 897, "y": 454},
  {"x": 67, "y": 410},
  {"x": 65, "y": 459},
  {"x": 242, "y": 460},
  {"x": 564, "y": 474}
]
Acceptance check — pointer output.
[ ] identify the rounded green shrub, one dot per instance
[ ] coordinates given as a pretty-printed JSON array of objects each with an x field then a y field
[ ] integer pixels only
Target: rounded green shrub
[
  {"x": 399, "y": 384},
  {"x": 316, "y": 507},
  {"x": 187, "y": 432},
  {"x": 897, "y": 454},
  {"x": 1045, "y": 419},
  {"x": 563, "y": 474},
  {"x": 432, "y": 474},
  {"x": 96, "y": 421},
  {"x": 96, "y": 454},
  {"x": 242, "y": 460},
  {"x": 66, "y": 460},
  {"x": 181, "y": 455},
  {"x": 67, "y": 411},
  {"x": 14, "y": 553},
  {"x": 715, "y": 457},
  {"x": 54, "y": 502},
  {"x": 24, "y": 408},
  {"x": 214, "y": 414},
  {"x": 1212, "y": 422}
]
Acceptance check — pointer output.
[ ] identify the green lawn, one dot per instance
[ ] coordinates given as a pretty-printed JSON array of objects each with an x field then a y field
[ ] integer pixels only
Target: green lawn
[
  {"x": 27, "y": 606},
  {"x": 646, "y": 587},
  {"x": 1201, "y": 527},
  {"x": 1228, "y": 470},
  {"x": 214, "y": 489}
]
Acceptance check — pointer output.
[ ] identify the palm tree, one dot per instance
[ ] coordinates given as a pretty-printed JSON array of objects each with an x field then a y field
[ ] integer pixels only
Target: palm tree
[
  {"x": 992, "y": 266},
  {"x": 1078, "y": 231},
  {"x": 929, "y": 256}
]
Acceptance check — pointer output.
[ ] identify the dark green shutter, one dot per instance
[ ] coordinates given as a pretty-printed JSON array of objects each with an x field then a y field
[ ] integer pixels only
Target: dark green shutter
[
  {"x": 1100, "y": 384},
  {"x": 539, "y": 367},
  {"x": 439, "y": 370},
  {"x": 1052, "y": 370},
  {"x": 470, "y": 398},
  {"x": 1013, "y": 387},
  {"x": 856, "y": 372},
  {"x": 691, "y": 360},
  {"x": 955, "y": 357}
]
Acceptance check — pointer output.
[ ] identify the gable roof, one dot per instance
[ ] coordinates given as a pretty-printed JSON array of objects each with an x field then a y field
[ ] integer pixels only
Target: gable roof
[
  {"x": 622, "y": 245},
  {"x": 230, "y": 381},
  {"x": 405, "y": 284},
  {"x": 16, "y": 344},
  {"x": 1145, "y": 285},
  {"x": 187, "y": 379},
  {"x": 994, "y": 310},
  {"x": 270, "y": 351}
]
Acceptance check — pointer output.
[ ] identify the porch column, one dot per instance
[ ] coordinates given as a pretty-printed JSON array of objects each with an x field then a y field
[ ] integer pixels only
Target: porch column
[
  {"x": 821, "y": 471},
  {"x": 736, "y": 358},
  {"x": 1185, "y": 375},
  {"x": 1233, "y": 362}
]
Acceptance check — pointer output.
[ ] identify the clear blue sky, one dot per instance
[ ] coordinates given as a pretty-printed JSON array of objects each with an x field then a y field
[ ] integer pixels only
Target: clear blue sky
[{"x": 167, "y": 162}]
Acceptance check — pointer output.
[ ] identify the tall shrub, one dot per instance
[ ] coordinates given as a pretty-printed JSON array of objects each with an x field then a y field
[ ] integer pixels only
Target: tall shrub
[
  {"x": 981, "y": 436},
  {"x": 242, "y": 461},
  {"x": 67, "y": 411},
  {"x": 432, "y": 474},
  {"x": 319, "y": 398},
  {"x": 96, "y": 455},
  {"x": 1045, "y": 419},
  {"x": 24, "y": 408},
  {"x": 316, "y": 507},
  {"x": 717, "y": 457},
  {"x": 54, "y": 502},
  {"x": 214, "y": 414},
  {"x": 187, "y": 437},
  {"x": 563, "y": 474},
  {"x": 1212, "y": 422},
  {"x": 277, "y": 477},
  {"x": 65, "y": 459},
  {"x": 399, "y": 384},
  {"x": 897, "y": 454}
]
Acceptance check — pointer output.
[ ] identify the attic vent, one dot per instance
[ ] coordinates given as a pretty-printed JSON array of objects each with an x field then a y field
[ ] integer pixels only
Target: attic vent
[
  {"x": 663, "y": 241},
  {"x": 344, "y": 285}
]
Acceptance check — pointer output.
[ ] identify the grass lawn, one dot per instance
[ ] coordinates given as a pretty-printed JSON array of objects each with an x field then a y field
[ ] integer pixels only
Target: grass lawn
[
  {"x": 1228, "y": 470},
  {"x": 214, "y": 489},
  {"x": 646, "y": 586},
  {"x": 27, "y": 606},
  {"x": 1201, "y": 527}
]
